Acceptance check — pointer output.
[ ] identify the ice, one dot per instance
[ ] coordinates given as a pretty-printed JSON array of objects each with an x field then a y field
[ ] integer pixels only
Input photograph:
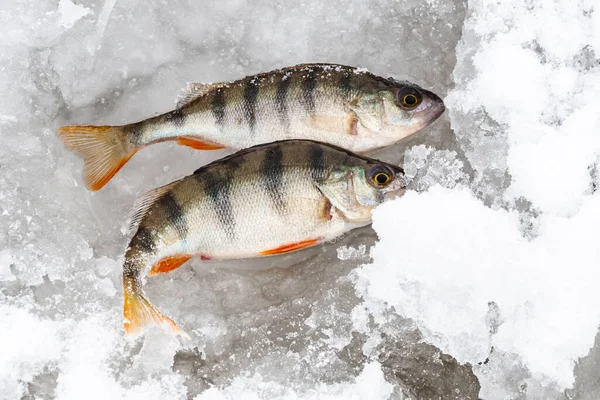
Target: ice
[
  {"x": 424, "y": 167},
  {"x": 479, "y": 283},
  {"x": 369, "y": 384},
  {"x": 478, "y": 257},
  {"x": 350, "y": 253},
  {"x": 513, "y": 284}
]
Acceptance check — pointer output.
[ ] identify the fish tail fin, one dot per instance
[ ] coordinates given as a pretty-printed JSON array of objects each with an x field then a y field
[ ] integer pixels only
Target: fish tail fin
[
  {"x": 139, "y": 313},
  {"x": 102, "y": 148}
]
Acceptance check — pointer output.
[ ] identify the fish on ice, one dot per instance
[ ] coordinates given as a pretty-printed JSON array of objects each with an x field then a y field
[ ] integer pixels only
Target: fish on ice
[
  {"x": 266, "y": 200},
  {"x": 341, "y": 105}
]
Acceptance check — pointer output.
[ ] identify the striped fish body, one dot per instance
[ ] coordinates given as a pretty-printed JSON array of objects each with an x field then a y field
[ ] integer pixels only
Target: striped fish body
[
  {"x": 302, "y": 102},
  {"x": 269, "y": 199},
  {"x": 341, "y": 105},
  {"x": 232, "y": 214},
  {"x": 335, "y": 104}
]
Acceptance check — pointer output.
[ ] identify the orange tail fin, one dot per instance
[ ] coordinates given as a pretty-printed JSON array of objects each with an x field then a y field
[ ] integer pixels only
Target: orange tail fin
[
  {"x": 139, "y": 313},
  {"x": 102, "y": 148}
]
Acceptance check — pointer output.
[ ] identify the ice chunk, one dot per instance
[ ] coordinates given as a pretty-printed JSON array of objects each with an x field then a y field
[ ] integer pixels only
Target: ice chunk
[
  {"x": 425, "y": 166},
  {"x": 369, "y": 384},
  {"x": 28, "y": 345},
  {"x": 350, "y": 253},
  {"x": 70, "y": 13},
  {"x": 453, "y": 256},
  {"x": 514, "y": 106}
]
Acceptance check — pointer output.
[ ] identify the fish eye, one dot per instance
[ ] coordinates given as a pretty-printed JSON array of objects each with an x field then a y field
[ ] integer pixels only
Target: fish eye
[
  {"x": 409, "y": 97},
  {"x": 381, "y": 177}
]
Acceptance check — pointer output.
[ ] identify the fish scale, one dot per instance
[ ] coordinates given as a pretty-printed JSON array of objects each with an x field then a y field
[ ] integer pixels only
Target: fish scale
[
  {"x": 269, "y": 199},
  {"x": 335, "y": 104}
]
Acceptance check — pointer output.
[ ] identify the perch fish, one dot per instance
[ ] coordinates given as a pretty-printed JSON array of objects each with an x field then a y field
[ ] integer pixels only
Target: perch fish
[
  {"x": 266, "y": 200},
  {"x": 341, "y": 105}
]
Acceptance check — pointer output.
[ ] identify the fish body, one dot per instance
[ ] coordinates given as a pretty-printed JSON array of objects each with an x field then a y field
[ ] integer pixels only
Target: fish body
[
  {"x": 269, "y": 199},
  {"x": 341, "y": 105}
]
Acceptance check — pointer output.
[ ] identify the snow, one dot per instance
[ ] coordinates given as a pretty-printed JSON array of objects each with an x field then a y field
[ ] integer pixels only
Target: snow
[
  {"x": 369, "y": 384},
  {"x": 479, "y": 283},
  {"x": 479, "y": 256}
]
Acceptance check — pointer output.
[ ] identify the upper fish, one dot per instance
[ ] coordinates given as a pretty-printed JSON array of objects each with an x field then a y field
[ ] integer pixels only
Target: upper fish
[
  {"x": 268, "y": 199},
  {"x": 341, "y": 105}
]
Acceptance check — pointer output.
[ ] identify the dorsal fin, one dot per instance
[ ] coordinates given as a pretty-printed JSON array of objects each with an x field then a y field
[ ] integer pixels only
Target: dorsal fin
[
  {"x": 145, "y": 201},
  {"x": 195, "y": 90}
]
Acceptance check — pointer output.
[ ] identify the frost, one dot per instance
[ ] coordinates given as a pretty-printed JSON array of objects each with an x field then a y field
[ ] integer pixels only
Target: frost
[
  {"x": 352, "y": 253},
  {"x": 425, "y": 167},
  {"x": 70, "y": 13},
  {"x": 369, "y": 384}
]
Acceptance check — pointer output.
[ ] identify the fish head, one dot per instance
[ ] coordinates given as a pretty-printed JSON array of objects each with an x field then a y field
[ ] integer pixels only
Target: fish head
[
  {"x": 355, "y": 190},
  {"x": 408, "y": 108}
]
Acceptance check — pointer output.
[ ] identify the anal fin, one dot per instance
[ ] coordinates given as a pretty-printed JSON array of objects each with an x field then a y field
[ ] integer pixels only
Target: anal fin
[
  {"x": 290, "y": 247},
  {"x": 198, "y": 144},
  {"x": 169, "y": 264}
]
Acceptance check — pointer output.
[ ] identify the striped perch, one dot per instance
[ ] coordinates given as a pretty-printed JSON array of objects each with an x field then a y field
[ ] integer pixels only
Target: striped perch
[
  {"x": 340, "y": 105},
  {"x": 265, "y": 200}
]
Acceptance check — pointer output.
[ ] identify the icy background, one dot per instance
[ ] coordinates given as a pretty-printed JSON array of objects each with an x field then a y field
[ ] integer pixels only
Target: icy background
[{"x": 482, "y": 282}]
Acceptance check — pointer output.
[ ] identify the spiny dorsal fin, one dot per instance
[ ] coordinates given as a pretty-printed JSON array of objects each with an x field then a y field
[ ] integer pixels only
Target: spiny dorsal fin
[
  {"x": 145, "y": 201},
  {"x": 195, "y": 90}
]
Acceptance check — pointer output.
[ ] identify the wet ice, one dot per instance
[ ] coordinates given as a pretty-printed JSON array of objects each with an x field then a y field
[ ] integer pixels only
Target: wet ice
[{"x": 514, "y": 224}]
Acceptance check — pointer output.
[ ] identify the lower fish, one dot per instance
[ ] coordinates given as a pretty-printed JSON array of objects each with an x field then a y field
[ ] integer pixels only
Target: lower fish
[
  {"x": 341, "y": 105},
  {"x": 266, "y": 200}
]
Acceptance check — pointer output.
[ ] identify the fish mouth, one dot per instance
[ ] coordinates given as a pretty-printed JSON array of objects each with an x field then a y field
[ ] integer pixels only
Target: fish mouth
[{"x": 436, "y": 107}]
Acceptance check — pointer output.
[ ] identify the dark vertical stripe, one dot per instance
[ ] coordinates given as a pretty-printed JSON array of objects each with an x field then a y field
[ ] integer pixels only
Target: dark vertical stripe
[
  {"x": 218, "y": 189},
  {"x": 218, "y": 107},
  {"x": 175, "y": 215},
  {"x": 250, "y": 96},
  {"x": 317, "y": 162},
  {"x": 272, "y": 176},
  {"x": 281, "y": 99},
  {"x": 143, "y": 240},
  {"x": 176, "y": 117},
  {"x": 308, "y": 91},
  {"x": 346, "y": 83}
]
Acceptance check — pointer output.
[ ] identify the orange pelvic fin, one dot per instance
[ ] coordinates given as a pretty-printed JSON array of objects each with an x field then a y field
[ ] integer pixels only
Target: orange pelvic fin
[
  {"x": 139, "y": 313},
  {"x": 102, "y": 148},
  {"x": 168, "y": 264},
  {"x": 290, "y": 247},
  {"x": 198, "y": 144}
]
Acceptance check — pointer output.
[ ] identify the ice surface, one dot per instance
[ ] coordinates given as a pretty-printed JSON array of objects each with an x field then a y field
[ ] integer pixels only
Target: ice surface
[
  {"x": 514, "y": 284},
  {"x": 479, "y": 283}
]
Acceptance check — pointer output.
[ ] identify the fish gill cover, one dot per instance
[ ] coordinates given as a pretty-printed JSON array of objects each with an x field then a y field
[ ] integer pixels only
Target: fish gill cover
[{"x": 482, "y": 282}]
